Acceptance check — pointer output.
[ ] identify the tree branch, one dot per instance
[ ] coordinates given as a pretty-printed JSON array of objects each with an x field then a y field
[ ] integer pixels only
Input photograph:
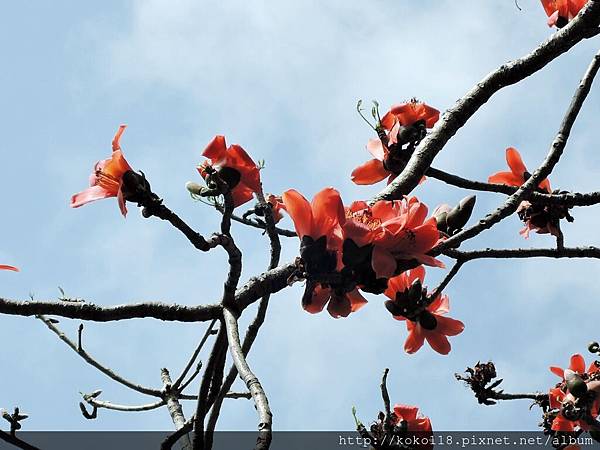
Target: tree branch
[
  {"x": 506, "y": 75},
  {"x": 556, "y": 150},
  {"x": 91, "y": 361}
]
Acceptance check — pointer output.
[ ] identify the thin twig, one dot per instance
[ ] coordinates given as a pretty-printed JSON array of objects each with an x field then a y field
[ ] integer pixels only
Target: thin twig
[
  {"x": 192, "y": 359},
  {"x": 123, "y": 408},
  {"x": 91, "y": 361}
]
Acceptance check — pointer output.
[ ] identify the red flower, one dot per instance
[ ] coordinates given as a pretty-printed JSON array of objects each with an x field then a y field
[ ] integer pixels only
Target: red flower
[
  {"x": 318, "y": 225},
  {"x": 405, "y": 234},
  {"x": 431, "y": 324},
  {"x": 373, "y": 171},
  {"x": 577, "y": 365},
  {"x": 416, "y": 424},
  {"x": 518, "y": 172},
  {"x": 559, "y": 12},
  {"x": 560, "y": 423},
  {"x": 107, "y": 178},
  {"x": 277, "y": 206},
  {"x": 338, "y": 305},
  {"x": 408, "y": 113},
  {"x": 403, "y": 115},
  {"x": 320, "y": 218},
  {"x": 234, "y": 166},
  {"x": 5, "y": 267},
  {"x": 538, "y": 218}
]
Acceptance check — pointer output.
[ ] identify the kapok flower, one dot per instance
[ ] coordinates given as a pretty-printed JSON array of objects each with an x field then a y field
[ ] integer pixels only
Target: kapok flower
[
  {"x": 577, "y": 365},
  {"x": 384, "y": 239},
  {"x": 560, "y": 12},
  {"x": 107, "y": 178},
  {"x": 5, "y": 267},
  {"x": 518, "y": 172},
  {"x": 234, "y": 166},
  {"x": 414, "y": 421},
  {"x": 413, "y": 117},
  {"x": 409, "y": 113},
  {"x": 339, "y": 304},
  {"x": 557, "y": 398},
  {"x": 318, "y": 225},
  {"x": 539, "y": 218},
  {"x": 407, "y": 234},
  {"x": 408, "y": 301}
]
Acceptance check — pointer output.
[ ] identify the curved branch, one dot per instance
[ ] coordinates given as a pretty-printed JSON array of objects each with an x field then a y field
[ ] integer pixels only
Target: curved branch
[
  {"x": 124, "y": 408},
  {"x": 585, "y": 25},
  {"x": 556, "y": 150},
  {"x": 92, "y": 362},
  {"x": 567, "y": 199}
]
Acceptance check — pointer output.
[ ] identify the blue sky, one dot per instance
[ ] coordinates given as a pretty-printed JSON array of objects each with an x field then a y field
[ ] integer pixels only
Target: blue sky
[{"x": 282, "y": 79}]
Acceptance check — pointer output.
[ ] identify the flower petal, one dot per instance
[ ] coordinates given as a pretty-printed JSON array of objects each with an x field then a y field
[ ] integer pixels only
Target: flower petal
[
  {"x": 513, "y": 158},
  {"x": 357, "y": 301},
  {"x": 319, "y": 298},
  {"x": 115, "y": 142},
  {"x": 89, "y": 195},
  {"x": 438, "y": 342},
  {"x": 216, "y": 149},
  {"x": 299, "y": 210},
  {"x": 448, "y": 326},
  {"x": 406, "y": 412},
  {"x": 558, "y": 371},
  {"x": 370, "y": 172},
  {"x": 383, "y": 263},
  {"x": 5, "y": 267},
  {"x": 375, "y": 148},
  {"x": 507, "y": 178},
  {"x": 577, "y": 364},
  {"x": 415, "y": 338},
  {"x": 328, "y": 211}
]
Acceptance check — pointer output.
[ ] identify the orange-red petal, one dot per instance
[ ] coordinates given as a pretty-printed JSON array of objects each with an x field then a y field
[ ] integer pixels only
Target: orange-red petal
[
  {"x": 299, "y": 210},
  {"x": 5, "y": 267},
  {"x": 216, "y": 149},
  {"x": 370, "y": 172}
]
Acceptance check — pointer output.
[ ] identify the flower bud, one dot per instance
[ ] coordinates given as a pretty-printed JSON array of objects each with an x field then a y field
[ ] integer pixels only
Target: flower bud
[{"x": 575, "y": 384}]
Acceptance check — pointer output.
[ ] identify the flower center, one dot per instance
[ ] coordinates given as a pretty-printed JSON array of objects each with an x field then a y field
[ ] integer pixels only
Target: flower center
[{"x": 364, "y": 217}]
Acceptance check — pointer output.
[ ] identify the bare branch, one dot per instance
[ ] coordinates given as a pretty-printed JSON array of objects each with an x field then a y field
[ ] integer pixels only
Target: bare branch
[
  {"x": 254, "y": 327},
  {"x": 187, "y": 368},
  {"x": 173, "y": 405},
  {"x": 97, "y": 313},
  {"x": 91, "y": 361},
  {"x": 507, "y": 74},
  {"x": 124, "y": 408},
  {"x": 556, "y": 150},
  {"x": 385, "y": 395},
  {"x": 251, "y": 381},
  {"x": 567, "y": 199},
  {"x": 567, "y": 252}
]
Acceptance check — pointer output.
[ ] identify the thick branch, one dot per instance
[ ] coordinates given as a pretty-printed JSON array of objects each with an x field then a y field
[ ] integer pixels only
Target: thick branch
[
  {"x": 506, "y": 75},
  {"x": 556, "y": 150},
  {"x": 96, "y": 313},
  {"x": 251, "y": 381},
  {"x": 173, "y": 406}
]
